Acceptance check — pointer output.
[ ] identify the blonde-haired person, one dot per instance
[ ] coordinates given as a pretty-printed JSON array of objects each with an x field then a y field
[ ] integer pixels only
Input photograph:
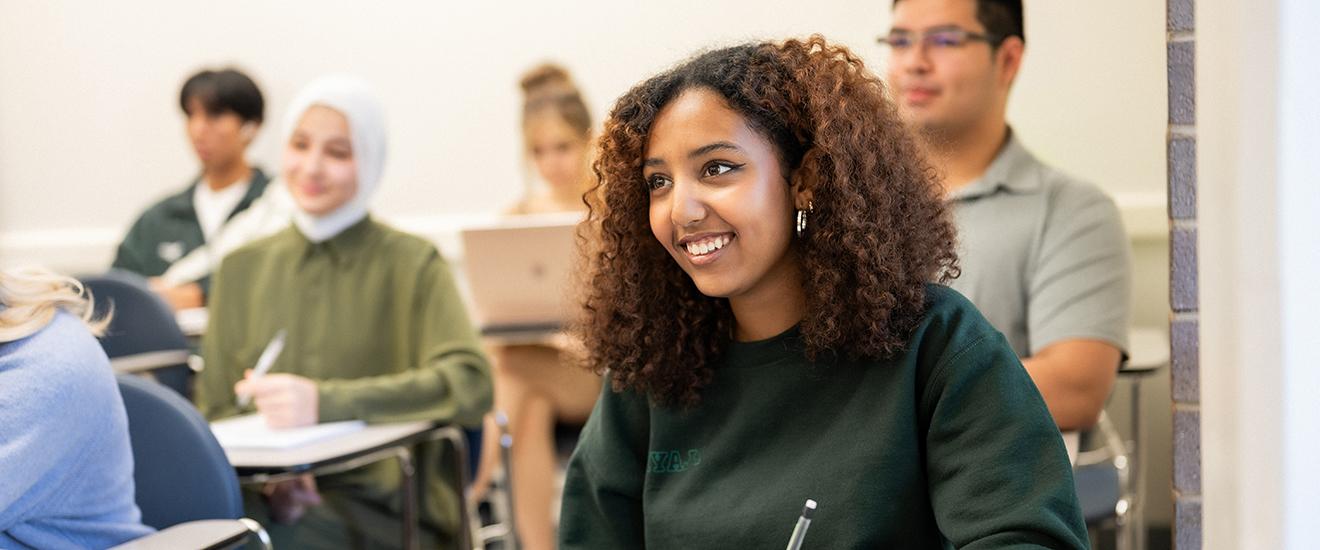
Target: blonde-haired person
[
  {"x": 556, "y": 125},
  {"x": 536, "y": 385},
  {"x": 64, "y": 450}
]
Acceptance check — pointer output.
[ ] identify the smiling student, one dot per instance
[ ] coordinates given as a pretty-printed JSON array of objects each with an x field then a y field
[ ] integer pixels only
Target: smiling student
[
  {"x": 375, "y": 328},
  {"x": 763, "y": 307}
]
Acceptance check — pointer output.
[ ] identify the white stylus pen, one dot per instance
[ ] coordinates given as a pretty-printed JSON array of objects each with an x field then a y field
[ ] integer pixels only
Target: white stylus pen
[
  {"x": 264, "y": 363},
  {"x": 800, "y": 530}
]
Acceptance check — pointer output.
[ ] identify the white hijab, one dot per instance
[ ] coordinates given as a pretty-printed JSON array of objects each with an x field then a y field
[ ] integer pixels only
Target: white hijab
[{"x": 366, "y": 122}]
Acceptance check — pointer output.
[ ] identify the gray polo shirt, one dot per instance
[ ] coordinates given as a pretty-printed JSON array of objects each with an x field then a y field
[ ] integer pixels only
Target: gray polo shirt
[{"x": 1044, "y": 256}]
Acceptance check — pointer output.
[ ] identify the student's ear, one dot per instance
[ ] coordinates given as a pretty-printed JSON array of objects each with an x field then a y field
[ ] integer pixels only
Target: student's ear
[
  {"x": 801, "y": 189},
  {"x": 248, "y": 130},
  {"x": 1008, "y": 57}
]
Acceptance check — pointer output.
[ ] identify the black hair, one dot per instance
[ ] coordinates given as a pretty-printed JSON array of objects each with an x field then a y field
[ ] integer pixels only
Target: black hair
[
  {"x": 1001, "y": 19},
  {"x": 727, "y": 72},
  {"x": 225, "y": 90}
]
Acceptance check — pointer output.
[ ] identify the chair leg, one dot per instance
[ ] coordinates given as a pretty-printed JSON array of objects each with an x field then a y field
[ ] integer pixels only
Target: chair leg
[
  {"x": 1137, "y": 450},
  {"x": 1123, "y": 529},
  {"x": 503, "y": 506},
  {"x": 408, "y": 491},
  {"x": 458, "y": 443},
  {"x": 499, "y": 497}
]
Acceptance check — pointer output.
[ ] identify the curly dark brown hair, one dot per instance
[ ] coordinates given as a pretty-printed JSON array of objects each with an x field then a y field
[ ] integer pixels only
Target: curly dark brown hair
[{"x": 878, "y": 233}]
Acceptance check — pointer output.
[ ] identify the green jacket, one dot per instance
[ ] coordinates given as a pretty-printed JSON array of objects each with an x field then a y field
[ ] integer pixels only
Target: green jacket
[
  {"x": 945, "y": 445},
  {"x": 169, "y": 230},
  {"x": 373, "y": 315}
]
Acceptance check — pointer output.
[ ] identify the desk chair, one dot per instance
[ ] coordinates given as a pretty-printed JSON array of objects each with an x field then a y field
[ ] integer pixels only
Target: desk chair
[
  {"x": 500, "y": 528},
  {"x": 1105, "y": 485},
  {"x": 499, "y": 496},
  {"x": 143, "y": 337},
  {"x": 181, "y": 474},
  {"x": 1110, "y": 480}
]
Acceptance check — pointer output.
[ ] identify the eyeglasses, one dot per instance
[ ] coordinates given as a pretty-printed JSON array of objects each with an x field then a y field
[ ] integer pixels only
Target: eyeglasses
[{"x": 939, "y": 38}]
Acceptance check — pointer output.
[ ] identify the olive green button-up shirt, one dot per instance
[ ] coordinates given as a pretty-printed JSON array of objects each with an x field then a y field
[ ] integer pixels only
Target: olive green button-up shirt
[{"x": 374, "y": 317}]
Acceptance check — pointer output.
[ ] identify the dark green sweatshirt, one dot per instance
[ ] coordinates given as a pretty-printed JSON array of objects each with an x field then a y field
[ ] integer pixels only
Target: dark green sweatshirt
[{"x": 946, "y": 444}]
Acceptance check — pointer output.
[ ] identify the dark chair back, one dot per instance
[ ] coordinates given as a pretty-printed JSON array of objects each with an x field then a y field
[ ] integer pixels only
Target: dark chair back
[
  {"x": 142, "y": 323},
  {"x": 179, "y": 468}
]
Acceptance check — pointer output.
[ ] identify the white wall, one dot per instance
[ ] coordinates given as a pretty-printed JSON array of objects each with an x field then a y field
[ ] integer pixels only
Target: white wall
[
  {"x": 90, "y": 131},
  {"x": 1258, "y": 130},
  {"x": 1091, "y": 98}
]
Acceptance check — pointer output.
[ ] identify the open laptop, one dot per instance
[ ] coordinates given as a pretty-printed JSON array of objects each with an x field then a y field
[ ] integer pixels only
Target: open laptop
[{"x": 518, "y": 273}]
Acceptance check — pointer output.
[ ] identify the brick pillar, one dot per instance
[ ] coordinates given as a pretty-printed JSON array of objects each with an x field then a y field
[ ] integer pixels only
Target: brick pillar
[{"x": 1183, "y": 320}]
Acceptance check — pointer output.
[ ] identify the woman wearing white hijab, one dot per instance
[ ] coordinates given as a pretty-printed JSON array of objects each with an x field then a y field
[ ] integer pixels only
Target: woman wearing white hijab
[{"x": 375, "y": 330}]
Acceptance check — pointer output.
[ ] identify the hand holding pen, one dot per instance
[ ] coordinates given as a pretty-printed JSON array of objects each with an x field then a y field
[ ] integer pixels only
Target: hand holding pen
[
  {"x": 284, "y": 400},
  {"x": 264, "y": 362}
]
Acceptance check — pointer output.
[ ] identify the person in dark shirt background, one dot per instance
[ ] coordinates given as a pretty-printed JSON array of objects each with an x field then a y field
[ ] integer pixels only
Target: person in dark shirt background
[{"x": 224, "y": 110}]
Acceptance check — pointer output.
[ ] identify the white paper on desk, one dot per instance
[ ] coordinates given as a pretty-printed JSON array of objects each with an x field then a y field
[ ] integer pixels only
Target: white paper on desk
[
  {"x": 251, "y": 432},
  {"x": 193, "y": 321}
]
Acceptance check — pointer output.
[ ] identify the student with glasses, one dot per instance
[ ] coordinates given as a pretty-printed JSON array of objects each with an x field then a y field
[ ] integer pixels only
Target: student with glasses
[{"x": 1044, "y": 255}]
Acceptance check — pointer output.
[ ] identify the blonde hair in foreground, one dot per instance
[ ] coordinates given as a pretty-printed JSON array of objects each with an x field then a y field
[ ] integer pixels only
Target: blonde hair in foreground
[{"x": 31, "y": 296}]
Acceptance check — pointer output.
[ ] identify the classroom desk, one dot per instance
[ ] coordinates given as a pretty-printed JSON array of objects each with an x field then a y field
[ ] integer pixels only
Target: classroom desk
[
  {"x": 1072, "y": 442},
  {"x": 206, "y": 533},
  {"x": 193, "y": 321},
  {"x": 148, "y": 361},
  {"x": 1149, "y": 350},
  {"x": 522, "y": 335},
  {"x": 354, "y": 450}
]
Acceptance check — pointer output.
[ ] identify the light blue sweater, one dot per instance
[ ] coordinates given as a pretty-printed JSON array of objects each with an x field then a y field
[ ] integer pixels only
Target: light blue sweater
[{"x": 66, "y": 467}]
